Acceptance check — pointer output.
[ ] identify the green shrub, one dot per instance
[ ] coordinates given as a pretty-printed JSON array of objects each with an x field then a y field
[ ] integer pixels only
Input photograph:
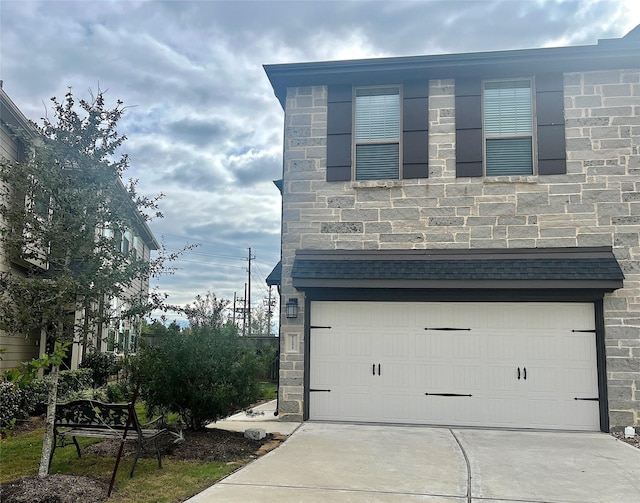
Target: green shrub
[
  {"x": 268, "y": 363},
  {"x": 203, "y": 375},
  {"x": 11, "y": 397},
  {"x": 72, "y": 381},
  {"x": 116, "y": 393},
  {"x": 102, "y": 366}
]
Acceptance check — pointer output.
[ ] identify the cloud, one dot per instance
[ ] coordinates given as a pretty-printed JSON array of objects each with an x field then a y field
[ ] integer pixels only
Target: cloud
[{"x": 204, "y": 127}]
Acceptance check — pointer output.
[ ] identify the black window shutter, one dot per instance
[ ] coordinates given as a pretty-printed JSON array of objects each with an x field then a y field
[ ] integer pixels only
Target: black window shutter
[
  {"x": 415, "y": 129},
  {"x": 468, "y": 127},
  {"x": 552, "y": 156},
  {"x": 339, "y": 127}
]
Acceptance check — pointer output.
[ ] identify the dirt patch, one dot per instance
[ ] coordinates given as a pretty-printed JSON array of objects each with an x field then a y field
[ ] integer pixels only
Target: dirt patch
[
  {"x": 202, "y": 446},
  {"x": 54, "y": 489},
  {"x": 633, "y": 441}
]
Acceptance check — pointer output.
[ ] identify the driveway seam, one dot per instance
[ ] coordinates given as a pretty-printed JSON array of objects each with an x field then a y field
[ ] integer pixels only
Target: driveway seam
[
  {"x": 339, "y": 489},
  {"x": 466, "y": 460}
]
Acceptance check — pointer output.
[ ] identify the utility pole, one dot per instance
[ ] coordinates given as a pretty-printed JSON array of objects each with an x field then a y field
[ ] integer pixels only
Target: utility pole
[
  {"x": 244, "y": 312},
  {"x": 269, "y": 314},
  {"x": 240, "y": 309},
  {"x": 235, "y": 295},
  {"x": 248, "y": 293}
]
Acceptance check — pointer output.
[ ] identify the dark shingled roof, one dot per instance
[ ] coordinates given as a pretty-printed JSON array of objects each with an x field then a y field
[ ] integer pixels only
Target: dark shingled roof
[
  {"x": 274, "y": 277},
  {"x": 553, "y": 268},
  {"x": 459, "y": 269}
]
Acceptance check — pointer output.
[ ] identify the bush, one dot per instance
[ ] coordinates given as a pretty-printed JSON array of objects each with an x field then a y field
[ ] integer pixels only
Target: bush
[
  {"x": 102, "y": 366},
  {"x": 11, "y": 397},
  {"x": 73, "y": 381},
  {"x": 202, "y": 375},
  {"x": 116, "y": 393}
]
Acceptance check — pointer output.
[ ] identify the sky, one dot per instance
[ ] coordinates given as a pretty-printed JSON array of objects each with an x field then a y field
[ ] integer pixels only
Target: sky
[{"x": 204, "y": 127}]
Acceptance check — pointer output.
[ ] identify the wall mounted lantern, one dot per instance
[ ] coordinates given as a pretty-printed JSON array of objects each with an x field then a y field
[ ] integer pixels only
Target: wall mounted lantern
[{"x": 291, "y": 308}]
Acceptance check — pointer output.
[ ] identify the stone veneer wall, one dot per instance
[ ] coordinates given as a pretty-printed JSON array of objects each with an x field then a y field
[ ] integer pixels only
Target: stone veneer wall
[{"x": 597, "y": 203}]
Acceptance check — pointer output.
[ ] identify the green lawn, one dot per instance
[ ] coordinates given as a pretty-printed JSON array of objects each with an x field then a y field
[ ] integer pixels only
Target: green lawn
[
  {"x": 176, "y": 481},
  {"x": 268, "y": 390}
]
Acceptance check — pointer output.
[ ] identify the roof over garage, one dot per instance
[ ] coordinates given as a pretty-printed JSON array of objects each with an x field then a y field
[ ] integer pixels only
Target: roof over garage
[{"x": 543, "y": 268}]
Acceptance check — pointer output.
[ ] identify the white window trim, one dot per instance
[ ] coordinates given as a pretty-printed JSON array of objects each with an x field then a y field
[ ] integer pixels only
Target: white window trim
[
  {"x": 355, "y": 142},
  {"x": 532, "y": 135}
]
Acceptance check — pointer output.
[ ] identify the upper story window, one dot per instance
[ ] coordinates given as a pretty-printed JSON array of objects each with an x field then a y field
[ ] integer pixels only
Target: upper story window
[
  {"x": 508, "y": 128},
  {"x": 377, "y": 133}
]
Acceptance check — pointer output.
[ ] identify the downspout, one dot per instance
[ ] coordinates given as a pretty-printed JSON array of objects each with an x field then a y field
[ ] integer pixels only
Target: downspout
[{"x": 276, "y": 412}]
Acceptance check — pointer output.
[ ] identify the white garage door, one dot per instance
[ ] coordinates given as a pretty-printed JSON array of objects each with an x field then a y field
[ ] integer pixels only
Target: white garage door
[{"x": 522, "y": 365}]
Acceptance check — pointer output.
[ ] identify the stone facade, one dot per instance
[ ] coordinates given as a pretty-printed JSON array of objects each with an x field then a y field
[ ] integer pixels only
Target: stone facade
[{"x": 596, "y": 203}]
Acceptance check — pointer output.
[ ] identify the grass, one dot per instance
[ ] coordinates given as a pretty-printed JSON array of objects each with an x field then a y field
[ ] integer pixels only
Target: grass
[
  {"x": 176, "y": 481},
  {"x": 268, "y": 390}
]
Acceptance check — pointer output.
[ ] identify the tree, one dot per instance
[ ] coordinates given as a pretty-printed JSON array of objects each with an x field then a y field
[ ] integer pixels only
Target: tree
[
  {"x": 203, "y": 373},
  {"x": 207, "y": 313},
  {"x": 65, "y": 210}
]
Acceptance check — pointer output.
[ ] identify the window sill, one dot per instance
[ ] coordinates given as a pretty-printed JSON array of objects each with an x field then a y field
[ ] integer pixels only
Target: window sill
[
  {"x": 376, "y": 184},
  {"x": 511, "y": 179}
]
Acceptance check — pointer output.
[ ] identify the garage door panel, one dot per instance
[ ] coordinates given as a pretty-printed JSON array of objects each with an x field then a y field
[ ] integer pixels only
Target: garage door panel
[
  {"x": 396, "y": 407},
  {"x": 325, "y": 373},
  {"x": 500, "y": 378},
  {"x": 580, "y": 381},
  {"x": 356, "y": 406},
  {"x": 499, "y": 346},
  {"x": 480, "y": 354},
  {"x": 395, "y": 375}
]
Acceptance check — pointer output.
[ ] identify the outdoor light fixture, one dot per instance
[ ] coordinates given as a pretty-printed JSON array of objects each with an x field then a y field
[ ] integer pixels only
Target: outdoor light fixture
[{"x": 291, "y": 308}]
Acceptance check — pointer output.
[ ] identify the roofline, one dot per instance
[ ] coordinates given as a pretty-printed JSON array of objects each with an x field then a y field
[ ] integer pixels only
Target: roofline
[
  {"x": 457, "y": 254},
  {"x": 11, "y": 114},
  {"x": 607, "y": 54}
]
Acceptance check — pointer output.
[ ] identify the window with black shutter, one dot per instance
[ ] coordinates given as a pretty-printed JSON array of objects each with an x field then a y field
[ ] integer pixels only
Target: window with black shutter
[
  {"x": 510, "y": 127},
  {"x": 379, "y": 132}
]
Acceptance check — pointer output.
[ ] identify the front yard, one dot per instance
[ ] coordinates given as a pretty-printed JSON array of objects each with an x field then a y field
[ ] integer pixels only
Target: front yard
[{"x": 189, "y": 466}]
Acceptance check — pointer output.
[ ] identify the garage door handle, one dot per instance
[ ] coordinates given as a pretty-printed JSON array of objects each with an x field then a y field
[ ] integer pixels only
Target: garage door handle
[
  {"x": 374, "y": 369},
  {"x": 379, "y": 370},
  {"x": 518, "y": 373},
  {"x": 525, "y": 373}
]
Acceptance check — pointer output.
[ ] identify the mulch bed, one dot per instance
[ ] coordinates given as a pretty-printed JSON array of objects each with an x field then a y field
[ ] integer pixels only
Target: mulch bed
[{"x": 634, "y": 441}]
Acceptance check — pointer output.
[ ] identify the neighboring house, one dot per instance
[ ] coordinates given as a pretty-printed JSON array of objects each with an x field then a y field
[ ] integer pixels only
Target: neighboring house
[
  {"x": 27, "y": 347},
  {"x": 460, "y": 238},
  {"x": 122, "y": 337}
]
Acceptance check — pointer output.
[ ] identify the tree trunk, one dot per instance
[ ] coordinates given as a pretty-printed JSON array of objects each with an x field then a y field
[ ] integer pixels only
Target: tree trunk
[{"x": 47, "y": 443}]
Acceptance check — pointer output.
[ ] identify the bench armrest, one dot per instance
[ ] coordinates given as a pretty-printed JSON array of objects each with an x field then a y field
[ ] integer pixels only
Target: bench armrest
[{"x": 152, "y": 422}]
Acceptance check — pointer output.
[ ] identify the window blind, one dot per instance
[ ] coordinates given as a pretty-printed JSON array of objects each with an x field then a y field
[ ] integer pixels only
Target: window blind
[
  {"x": 377, "y": 161},
  {"x": 508, "y": 127},
  {"x": 377, "y": 114},
  {"x": 509, "y": 157}
]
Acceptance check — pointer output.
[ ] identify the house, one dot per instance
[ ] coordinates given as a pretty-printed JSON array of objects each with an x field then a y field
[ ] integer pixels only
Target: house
[
  {"x": 118, "y": 337},
  {"x": 460, "y": 238}
]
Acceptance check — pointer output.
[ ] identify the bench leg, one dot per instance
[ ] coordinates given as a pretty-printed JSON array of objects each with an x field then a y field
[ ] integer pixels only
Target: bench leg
[
  {"x": 155, "y": 444},
  {"x": 77, "y": 446},
  {"x": 133, "y": 467},
  {"x": 53, "y": 450}
]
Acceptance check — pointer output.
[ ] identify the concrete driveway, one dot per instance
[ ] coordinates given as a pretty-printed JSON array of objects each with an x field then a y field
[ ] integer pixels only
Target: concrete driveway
[{"x": 324, "y": 462}]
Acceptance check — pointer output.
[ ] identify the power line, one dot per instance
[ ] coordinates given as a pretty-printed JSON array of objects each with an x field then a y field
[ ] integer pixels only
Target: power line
[{"x": 204, "y": 241}]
